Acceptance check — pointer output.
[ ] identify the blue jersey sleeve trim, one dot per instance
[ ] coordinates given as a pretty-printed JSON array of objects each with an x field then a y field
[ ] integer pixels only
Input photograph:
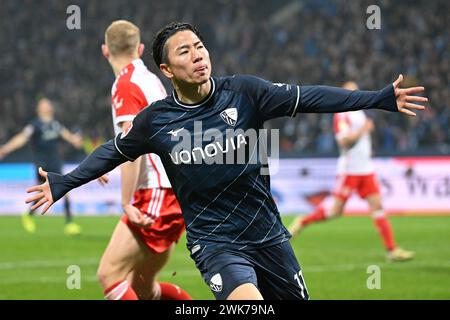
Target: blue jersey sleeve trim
[
  {"x": 296, "y": 103},
  {"x": 117, "y": 148}
]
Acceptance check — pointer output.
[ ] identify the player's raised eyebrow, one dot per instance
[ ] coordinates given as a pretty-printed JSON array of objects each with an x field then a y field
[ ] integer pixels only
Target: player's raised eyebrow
[{"x": 186, "y": 46}]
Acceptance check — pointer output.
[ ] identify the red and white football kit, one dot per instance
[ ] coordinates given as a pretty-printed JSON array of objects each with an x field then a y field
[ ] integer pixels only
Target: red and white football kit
[
  {"x": 355, "y": 172},
  {"x": 134, "y": 89},
  {"x": 355, "y": 169}
]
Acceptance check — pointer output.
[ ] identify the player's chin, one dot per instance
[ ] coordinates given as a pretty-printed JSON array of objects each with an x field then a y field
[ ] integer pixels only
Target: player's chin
[
  {"x": 198, "y": 81},
  {"x": 201, "y": 77}
]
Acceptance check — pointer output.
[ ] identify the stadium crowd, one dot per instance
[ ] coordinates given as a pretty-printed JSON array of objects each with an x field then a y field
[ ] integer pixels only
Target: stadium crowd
[{"x": 308, "y": 42}]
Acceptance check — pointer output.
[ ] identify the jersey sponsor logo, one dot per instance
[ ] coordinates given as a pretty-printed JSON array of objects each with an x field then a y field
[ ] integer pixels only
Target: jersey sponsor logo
[
  {"x": 125, "y": 132},
  {"x": 230, "y": 146},
  {"x": 51, "y": 131},
  {"x": 216, "y": 283},
  {"x": 174, "y": 133},
  {"x": 210, "y": 151},
  {"x": 229, "y": 116}
]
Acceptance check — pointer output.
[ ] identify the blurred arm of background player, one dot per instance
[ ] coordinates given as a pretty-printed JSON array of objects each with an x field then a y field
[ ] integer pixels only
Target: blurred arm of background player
[
  {"x": 129, "y": 172},
  {"x": 73, "y": 138},
  {"x": 20, "y": 139},
  {"x": 16, "y": 142},
  {"x": 349, "y": 140}
]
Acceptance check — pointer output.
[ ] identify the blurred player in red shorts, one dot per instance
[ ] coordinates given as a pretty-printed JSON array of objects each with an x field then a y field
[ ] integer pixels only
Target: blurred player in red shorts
[
  {"x": 144, "y": 238},
  {"x": 355, "y": 173}
]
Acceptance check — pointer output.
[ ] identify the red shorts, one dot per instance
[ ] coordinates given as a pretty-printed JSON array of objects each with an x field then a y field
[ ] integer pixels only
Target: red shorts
[
  {"x": 168, "y": 227},
  {"x": 364, "y": 185}
]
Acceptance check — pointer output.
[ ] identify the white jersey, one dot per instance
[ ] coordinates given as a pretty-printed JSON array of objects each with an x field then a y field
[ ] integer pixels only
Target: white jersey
[
  {"x": 356, "y": 160},
  {"x": 134, "y": 89}
]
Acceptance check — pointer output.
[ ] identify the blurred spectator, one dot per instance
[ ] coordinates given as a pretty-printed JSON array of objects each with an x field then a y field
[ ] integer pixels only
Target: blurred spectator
[{"x": 307, "y": 42}]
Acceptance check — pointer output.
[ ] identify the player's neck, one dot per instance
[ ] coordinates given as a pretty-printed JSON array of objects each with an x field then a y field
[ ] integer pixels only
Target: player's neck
[
  {"x": 192, "y": 94},
  {"x": 118, "y": 63}
]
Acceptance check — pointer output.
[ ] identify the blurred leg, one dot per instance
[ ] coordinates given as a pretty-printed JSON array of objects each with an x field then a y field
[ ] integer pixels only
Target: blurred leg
[{"x": 124, "y": 252}]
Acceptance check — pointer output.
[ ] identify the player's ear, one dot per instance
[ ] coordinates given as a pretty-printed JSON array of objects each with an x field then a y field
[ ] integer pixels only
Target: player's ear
[
  {"x": 164, "y": 67},
  {"x": 105, "y": 51},
  {"x": 141, "y": 49}
]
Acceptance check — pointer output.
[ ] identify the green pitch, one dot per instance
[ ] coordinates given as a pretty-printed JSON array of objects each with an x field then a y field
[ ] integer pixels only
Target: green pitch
[{"x": 335, "y": 257}]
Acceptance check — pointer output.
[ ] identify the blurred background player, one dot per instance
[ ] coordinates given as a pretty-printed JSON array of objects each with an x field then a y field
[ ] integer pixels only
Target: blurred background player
[
  {"x": 355, "y": 172},
  {"x": 145, "y": 236},
  {"x": 45, "y": 132}
]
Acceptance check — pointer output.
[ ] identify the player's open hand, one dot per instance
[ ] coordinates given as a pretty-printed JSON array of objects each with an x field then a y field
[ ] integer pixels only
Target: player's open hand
[
  {"x": 136, "y": 217},
  {"x": 43, "y": 195},
  {"x": 405, "y": 98}
]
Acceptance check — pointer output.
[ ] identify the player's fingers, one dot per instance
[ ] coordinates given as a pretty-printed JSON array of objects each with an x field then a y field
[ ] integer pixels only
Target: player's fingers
[
  {"x": 35, "y": 197},
  {"x": 416, "y": 99},
  {"x": 398, "y": 81},
  {"x": 34, "y": 188},
  {"x": 42, "y": 172},
  {"x": 39, "y": 203},
  {"x": 138, "y": 219},
  {"x": 413, "y": 90},
  {"x": 148, "y": 221},
  {"x": 414, "y": 106},
  {"x": 407, "y": 112},
  {"x": 46, "y": 207}
]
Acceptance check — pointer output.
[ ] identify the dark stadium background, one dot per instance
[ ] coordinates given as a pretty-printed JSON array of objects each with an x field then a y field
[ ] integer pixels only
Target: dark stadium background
[{"x": 291, "y": 41}]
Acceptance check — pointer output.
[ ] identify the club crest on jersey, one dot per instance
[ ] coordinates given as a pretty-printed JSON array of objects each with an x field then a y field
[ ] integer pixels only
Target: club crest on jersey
[
  {"x": 117, "y": 104},
  {"x": 216, "y": 283},
  {"x": 229, "y": 116},
  {"x": 125, "y": 132}
]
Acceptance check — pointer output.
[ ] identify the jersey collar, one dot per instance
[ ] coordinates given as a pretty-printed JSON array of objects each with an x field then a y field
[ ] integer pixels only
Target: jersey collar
[
  {"x": 202, "y": 102},
  {"x": 137, "y": 62}
]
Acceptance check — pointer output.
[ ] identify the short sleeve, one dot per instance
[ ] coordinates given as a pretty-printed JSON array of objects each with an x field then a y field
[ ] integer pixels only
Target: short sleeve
[
  {"x": 28, "y": 130},
  {"x": 59, "y": 127},
  {"x": 127, "y": 101},
  {"x": 135, "y": 140}
]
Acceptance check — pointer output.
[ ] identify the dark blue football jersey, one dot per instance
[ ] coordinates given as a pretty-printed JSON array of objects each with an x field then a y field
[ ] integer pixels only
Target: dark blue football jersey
[
  {"x": 44, "y": 140},
  {"x": 211, "y": 158}
]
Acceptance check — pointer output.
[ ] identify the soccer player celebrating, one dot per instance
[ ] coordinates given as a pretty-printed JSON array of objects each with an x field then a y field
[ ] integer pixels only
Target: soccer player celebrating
[
  {"x": 355, "y": 172},
  {"x": 233, "y": 227},
  {"x": 144, "y": 238},
  {"x": 44, "y": 133}
]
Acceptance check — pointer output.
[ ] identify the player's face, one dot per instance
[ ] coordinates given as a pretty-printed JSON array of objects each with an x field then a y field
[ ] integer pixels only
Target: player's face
[
  {"x": 188, "y": 59},
  {"x": 45, "y": 109}
]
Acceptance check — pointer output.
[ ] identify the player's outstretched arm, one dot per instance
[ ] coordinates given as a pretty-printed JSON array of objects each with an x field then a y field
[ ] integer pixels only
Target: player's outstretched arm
[
  {"x": 13, "y": 144},
  {"x": 391, "y": 98},
  {"x": 102, "y": 160},
  {"x": 73, "y": 138}
]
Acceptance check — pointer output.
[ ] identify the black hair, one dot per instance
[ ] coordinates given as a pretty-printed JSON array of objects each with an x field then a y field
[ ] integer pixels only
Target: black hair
[{"x": 159, "y": 54}]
